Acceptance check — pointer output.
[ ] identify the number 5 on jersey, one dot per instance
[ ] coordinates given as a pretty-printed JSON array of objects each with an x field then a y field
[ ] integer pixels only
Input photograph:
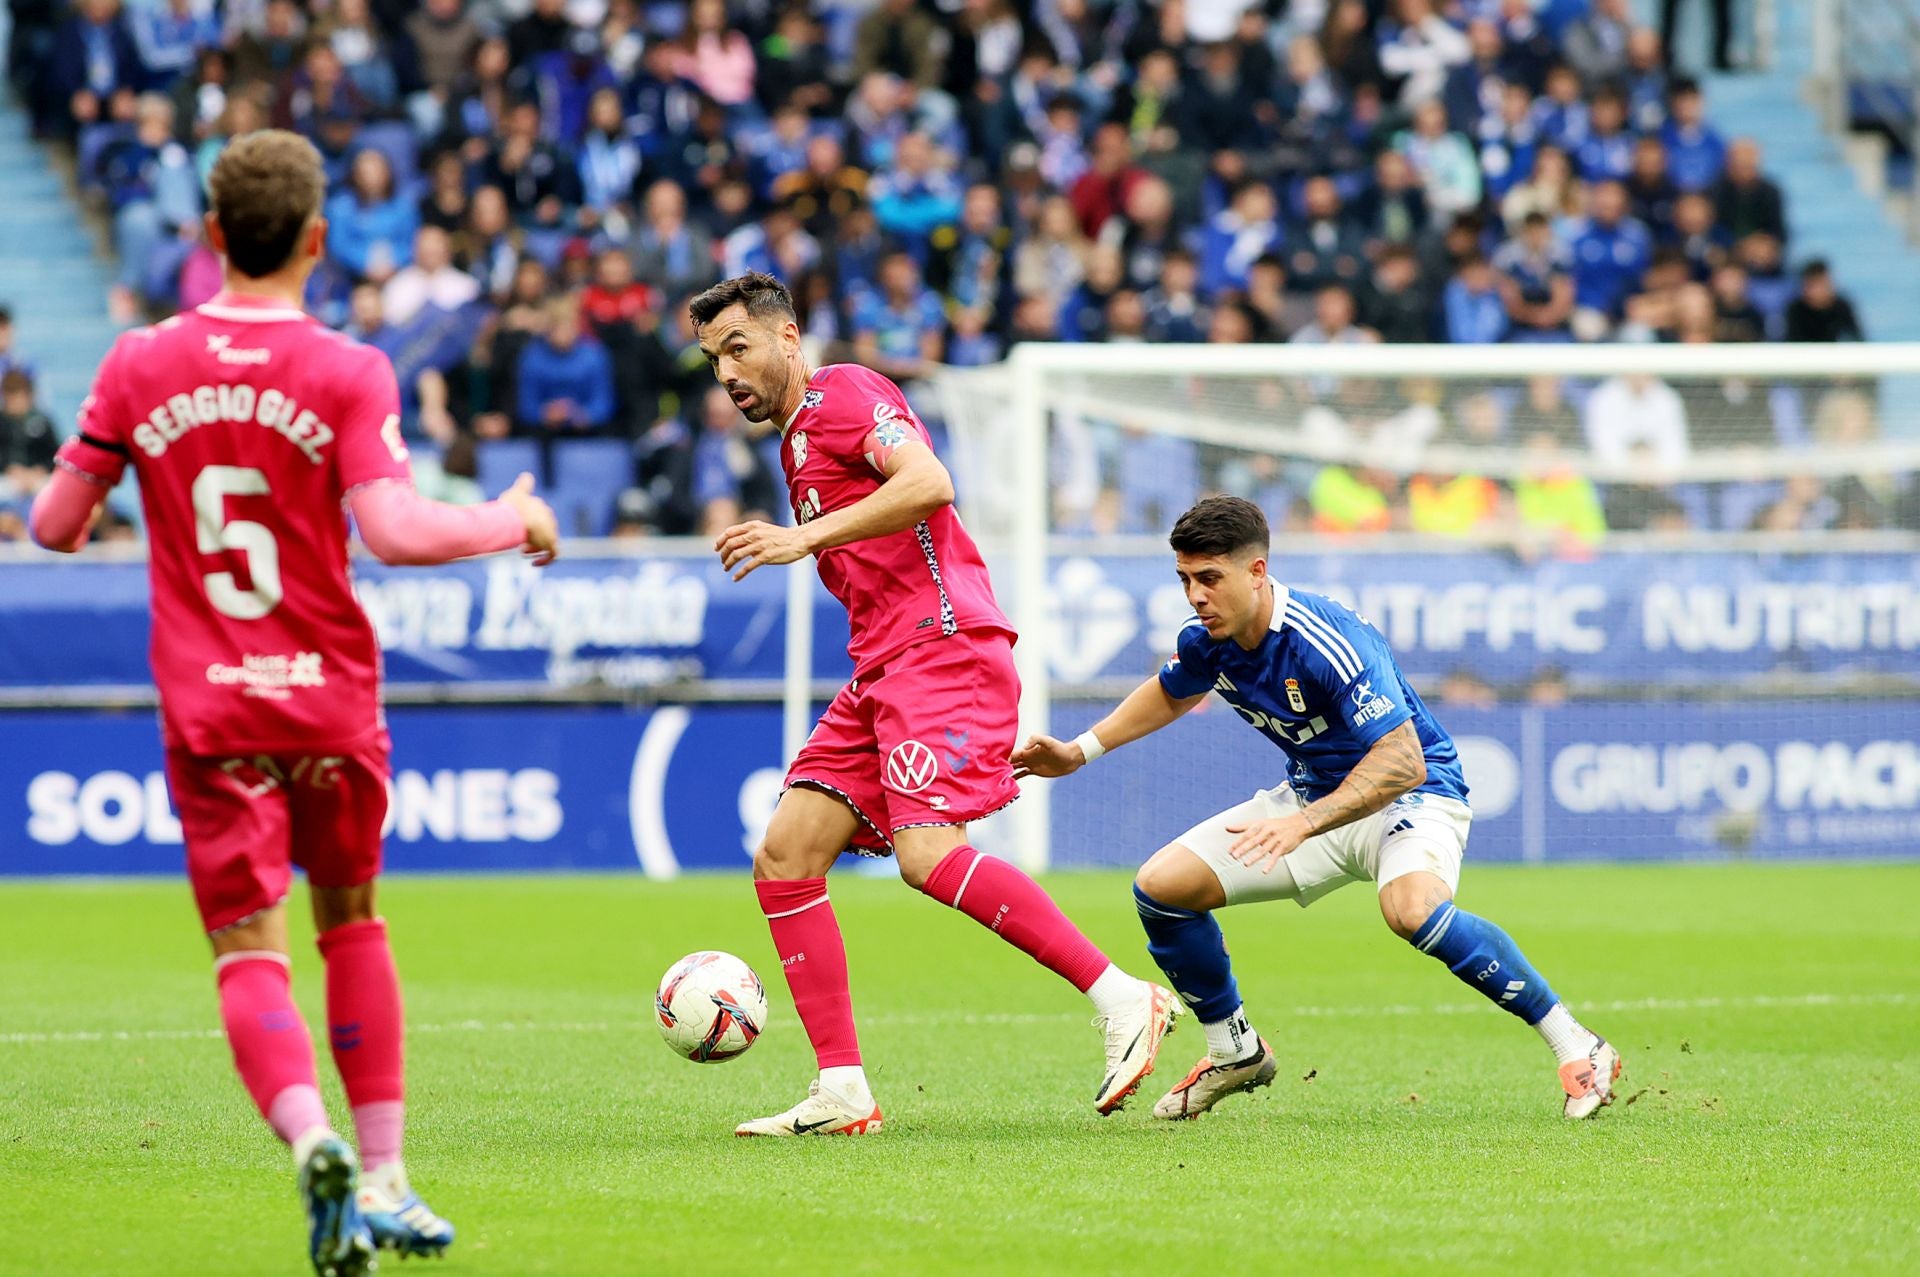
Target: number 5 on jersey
[{"x": 217, "y": 534}]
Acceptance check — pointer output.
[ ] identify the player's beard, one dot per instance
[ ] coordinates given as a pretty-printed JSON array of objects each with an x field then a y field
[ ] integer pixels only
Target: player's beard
[{"x": 766, "y": 403}]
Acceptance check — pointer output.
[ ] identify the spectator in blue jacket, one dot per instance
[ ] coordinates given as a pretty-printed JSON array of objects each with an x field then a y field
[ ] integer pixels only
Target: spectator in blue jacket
[
  {"x": 1174, "y": 311},
  {"x": 1508, "y": 141},
  {"x": 155, "y": 194},
  {"x": 1535, "y": 271},
  {"x": 1610, "y": 252},
  {"x": 565, "y": 378},
  {"x": 1237, "y": 236},
  {"x": 610, "y": 160},
  {"x": 897, "y": 328},
  {"x": 170, "y": 35},
  {"x": 567, "y": 80},
  {"x": 914, "y": 196},
  {"x": 1607, "y": 154},
  {"x": 1560, "y": 116},
  {"x": 370, "y": 226},
  {"x": 1695, "y": 152},
  {"x": 1475, "y": 310},
  {"x": 94, "y": 61}
]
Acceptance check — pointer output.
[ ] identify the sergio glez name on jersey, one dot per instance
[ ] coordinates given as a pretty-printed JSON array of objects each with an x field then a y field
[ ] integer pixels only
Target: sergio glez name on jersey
[{"x": 206, "y": 405}]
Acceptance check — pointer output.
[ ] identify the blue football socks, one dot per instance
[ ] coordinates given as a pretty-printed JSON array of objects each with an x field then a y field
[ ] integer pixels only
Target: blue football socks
[
  {"x": 1188, "y": 946},
  {"x": 1484, "y": 957}
]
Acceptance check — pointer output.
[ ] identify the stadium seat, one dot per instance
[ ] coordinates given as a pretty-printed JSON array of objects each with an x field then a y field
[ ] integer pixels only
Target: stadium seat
[
  {"x": 588, "y": 477},
  {"x": 395, "y": 140},
  {"x": 504, "y": 460}
]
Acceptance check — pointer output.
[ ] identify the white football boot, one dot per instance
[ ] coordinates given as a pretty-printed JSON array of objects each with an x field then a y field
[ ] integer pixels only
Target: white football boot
[
  {"x": 1133, "y": 1043},
  {"x": 822, "y": 1113},
  {"x": 1209, "y": 1083},
  {"x": 1588, "y": 1081}
]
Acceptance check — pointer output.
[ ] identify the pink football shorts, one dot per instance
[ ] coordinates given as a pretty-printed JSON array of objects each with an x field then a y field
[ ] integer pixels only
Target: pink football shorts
[
  {"x": 249, "y": 820},
  {"x": 921, "y": 740}
]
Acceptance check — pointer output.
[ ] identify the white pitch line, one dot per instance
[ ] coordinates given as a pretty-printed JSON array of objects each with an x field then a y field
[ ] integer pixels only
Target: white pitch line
[{"x": 1354, "y": 1012}]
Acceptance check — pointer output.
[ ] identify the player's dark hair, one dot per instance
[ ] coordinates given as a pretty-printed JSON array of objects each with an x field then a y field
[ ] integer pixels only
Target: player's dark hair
[
  {"x": 1222, "y": 526},
  {"x": 265, "y": 189},
  {"x": 764, "y": 297}
]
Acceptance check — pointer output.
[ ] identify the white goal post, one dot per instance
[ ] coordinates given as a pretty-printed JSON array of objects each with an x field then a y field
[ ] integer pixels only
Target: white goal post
[{"x": 1299, "y": 404}]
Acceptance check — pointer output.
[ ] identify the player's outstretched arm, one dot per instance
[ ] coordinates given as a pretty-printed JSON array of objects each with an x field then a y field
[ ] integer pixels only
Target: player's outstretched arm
[
  {"x": 1147, "y": 709},
  {"x": 916, "y": 485},
  {"x": 63, "y": 514},
  {"x": 402, "y": 527},
  {"x": 1393, "y": 768}
]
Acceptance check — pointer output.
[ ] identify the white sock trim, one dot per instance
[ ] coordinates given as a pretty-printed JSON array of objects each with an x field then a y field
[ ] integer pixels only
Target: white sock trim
[
  {"x": 1113, "y": 991},
  {"x": 1566, "y": 1036},
  {"x": 304, "y": 1142},
  {"x": 226, "y": 960},
  {"x": 1231, "y": 1040},
  {"x": 788, "y": 913},
  {"x": 964, "y": 881},
  {"x": 849, "y": 1082},
  {"x": 1439, "y": 931}
]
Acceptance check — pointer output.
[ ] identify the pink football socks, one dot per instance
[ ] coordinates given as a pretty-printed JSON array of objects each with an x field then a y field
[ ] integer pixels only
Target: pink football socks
[
  {"x": 1015, "y": 907},
  {"x": 271, "y": 1049},
  {"x": 806, "y": 935},
  {"x": 366, "y": 1027}
]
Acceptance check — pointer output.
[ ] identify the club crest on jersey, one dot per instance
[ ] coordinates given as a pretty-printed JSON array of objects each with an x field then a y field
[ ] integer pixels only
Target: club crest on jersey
[
  {"x": 1295, "y": 700},
  {"x": 800, "y": 446}
]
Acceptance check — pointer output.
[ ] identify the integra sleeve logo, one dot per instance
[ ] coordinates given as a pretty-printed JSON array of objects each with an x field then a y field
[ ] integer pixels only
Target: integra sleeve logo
[{"x": 1366, "y": 705}]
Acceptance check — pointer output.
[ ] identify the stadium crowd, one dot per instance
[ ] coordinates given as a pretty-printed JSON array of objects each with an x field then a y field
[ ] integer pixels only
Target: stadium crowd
[{"x": 526, "y": 192}]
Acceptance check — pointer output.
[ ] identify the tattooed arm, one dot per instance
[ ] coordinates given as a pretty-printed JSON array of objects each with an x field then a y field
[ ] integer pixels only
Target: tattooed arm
[{"x": 1395, "y": 766}]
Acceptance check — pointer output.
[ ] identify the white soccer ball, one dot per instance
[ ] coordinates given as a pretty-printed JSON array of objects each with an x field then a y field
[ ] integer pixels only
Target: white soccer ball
[{"x": 711, "y": 1007}]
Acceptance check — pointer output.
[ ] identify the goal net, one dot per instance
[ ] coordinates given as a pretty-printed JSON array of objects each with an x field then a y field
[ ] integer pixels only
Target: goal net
[{"x": 1665, "y": 597}]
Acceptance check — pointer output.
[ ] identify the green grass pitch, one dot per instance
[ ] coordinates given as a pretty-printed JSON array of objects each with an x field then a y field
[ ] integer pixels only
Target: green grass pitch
[{"x": 1769, "y": 1015}]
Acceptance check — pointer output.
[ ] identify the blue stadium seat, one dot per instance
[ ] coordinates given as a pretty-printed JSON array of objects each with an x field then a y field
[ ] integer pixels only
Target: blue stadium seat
[
  {"x": 504, "y": 460},
  {"x": 395, "y": 140},
  {"x": 588, "y": 477}
]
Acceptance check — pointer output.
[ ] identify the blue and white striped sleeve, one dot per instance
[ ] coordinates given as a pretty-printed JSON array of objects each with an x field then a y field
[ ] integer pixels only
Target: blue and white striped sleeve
[{"x": 1359, "y": 673}]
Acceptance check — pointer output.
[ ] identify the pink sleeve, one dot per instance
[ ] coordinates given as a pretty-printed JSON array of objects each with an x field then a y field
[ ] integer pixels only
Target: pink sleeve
[
  {"x": 98, "y": 453},
  {"x": 883, "y": 422},
  {"x": 402, "y": 527},
  {"x": 62, "y": 514},
  {"x": 370, "y": 447}
]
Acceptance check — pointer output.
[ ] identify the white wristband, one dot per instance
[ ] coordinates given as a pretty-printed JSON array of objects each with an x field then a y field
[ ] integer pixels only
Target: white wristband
[{"x": 1090, "y": 744}]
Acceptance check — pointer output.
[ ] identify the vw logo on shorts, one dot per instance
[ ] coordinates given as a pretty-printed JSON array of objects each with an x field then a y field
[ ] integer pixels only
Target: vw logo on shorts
[{"x": 911, "y": 767}]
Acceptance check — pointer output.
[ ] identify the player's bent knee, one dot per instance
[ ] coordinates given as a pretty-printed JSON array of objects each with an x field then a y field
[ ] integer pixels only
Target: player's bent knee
[
  {"x": 914, "y": 869},
  {"x": 1407, "y": 902},
  {"x": 1175, "y": 876},
  {"x": 779, "y": 861},
  {"x": 918, "y": 850}
]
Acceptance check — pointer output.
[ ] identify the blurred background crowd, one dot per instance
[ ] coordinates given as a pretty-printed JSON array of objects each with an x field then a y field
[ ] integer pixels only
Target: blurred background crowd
[{"x": 526, "y": 192}]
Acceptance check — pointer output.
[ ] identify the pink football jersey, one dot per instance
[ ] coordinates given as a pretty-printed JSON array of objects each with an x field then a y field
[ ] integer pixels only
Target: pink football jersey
[
  {"x": 247, "y": 424},
  {"x": 925, "y": 582}
]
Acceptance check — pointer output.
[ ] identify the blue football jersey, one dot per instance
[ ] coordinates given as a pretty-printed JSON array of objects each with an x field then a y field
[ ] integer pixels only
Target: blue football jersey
[{"x": 1321, "y": 685}]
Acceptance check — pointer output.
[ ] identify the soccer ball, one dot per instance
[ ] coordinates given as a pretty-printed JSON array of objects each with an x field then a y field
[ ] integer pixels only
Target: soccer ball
[{"x": 711, "y": 1007}]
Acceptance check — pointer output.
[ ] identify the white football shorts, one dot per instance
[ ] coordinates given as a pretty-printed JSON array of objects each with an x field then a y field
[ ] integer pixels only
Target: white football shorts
[{"x": 1419, "y": 833}]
